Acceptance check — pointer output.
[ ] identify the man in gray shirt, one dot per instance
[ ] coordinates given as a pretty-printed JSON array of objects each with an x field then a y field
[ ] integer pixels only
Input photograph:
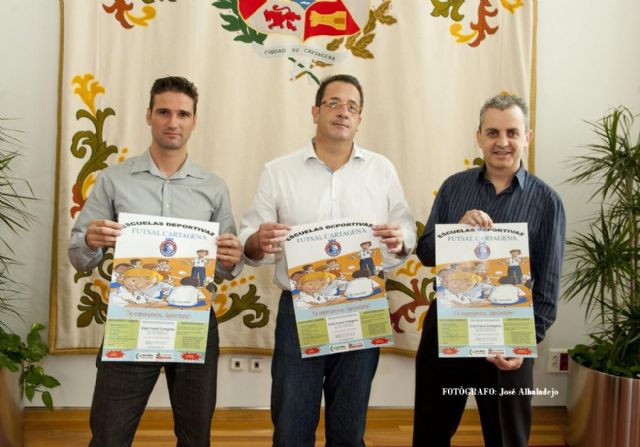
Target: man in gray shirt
[{"x": 161, "y": 182}]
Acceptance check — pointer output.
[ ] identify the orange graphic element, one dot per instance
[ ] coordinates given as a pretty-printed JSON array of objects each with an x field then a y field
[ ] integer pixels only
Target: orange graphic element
[
  {"x": 120, "y": 9},
  {"x": 411, "y": 268},
  {"x": 221, "y": 303},
  {"x": 190, "y": 356},
  {"x": 456, "y": 31},
  {"x": 420, "y": 323},
  {"x": 449, "y": 351},
  {"x": 512, "y": 6},
  {"x": 115, "y": 354},
  {"x": 522, "y": 351},
  {"x": 86, "y": 185},
  {"x": 103, "y": 287},
  {"x": 380, "y": 341},
  {"x": 482, "y": 27},
  {"x": 87, "y": 89},
  {"x": 123, "y": 154},
  {"x": 311, "y": 351}
]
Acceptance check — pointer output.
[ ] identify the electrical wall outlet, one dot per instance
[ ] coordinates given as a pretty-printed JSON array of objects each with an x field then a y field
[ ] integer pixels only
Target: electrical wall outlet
[
  {"x": 256, "y": 365},
  {"x": 236, "y": 364},
  {"x": 558, "y": 360}
]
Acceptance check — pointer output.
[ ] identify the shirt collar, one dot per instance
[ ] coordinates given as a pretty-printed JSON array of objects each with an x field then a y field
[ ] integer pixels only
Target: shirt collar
[
  {"x": 144, "y": 163},
  {"x": 309, "y": 152},
  {"x": 521, "y": 175}
]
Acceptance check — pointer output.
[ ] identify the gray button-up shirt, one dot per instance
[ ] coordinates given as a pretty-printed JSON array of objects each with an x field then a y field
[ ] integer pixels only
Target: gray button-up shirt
[{"x": 138, "y": 186}]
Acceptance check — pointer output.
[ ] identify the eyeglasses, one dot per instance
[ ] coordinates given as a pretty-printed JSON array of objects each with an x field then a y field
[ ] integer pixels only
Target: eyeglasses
[{"x": 352, "y": 108}]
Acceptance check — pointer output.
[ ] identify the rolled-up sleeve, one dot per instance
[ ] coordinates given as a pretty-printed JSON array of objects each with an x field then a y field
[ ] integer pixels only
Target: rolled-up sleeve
[
  {"x": 97, "y": 206},
  {"x": 224, "y": 216},
  {"x": 262, "y": 210},
  {"x": 400, "y": 214}
]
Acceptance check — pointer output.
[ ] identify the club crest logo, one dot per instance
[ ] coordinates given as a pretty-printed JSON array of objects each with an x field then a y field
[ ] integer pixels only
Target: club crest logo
[
  {"x": 333, "y": 248},
  {"x": 482, "y": 250},
  {"x": 168, "y": 248},
  {"x": 310, "y": 34},
  {"x": 305, "y": 18}
]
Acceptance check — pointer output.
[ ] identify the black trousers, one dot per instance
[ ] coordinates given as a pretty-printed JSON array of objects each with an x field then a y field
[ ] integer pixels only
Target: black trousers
[
  {"x": 442, "y": 388},
  {"x": 123, "y": 388}
]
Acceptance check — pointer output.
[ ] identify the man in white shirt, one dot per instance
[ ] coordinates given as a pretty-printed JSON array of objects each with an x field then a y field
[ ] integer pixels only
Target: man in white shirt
[{"x": 329, "y": 178}]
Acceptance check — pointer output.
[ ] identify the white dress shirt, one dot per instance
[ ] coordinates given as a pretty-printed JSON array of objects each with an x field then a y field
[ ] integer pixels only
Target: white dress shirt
[{"x": 299, "y": 189}]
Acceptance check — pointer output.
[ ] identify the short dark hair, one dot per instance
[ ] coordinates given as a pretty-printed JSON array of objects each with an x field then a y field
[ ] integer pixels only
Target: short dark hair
[
  {"x": 504, "y": 102},
  {"x": 339, "y": 78},
  {"x": 176, "y": 84}
]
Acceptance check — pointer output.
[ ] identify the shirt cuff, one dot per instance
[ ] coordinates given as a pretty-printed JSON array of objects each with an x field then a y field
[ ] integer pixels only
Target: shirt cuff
[{"x": 267, "y": 259}]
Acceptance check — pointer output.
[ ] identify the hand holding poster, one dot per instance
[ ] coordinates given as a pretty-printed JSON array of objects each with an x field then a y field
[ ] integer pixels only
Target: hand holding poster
[
  {"x": 337, "y": 284},
  {"x": 483, "y": 291},
  {"x": 160, "y": 292}
]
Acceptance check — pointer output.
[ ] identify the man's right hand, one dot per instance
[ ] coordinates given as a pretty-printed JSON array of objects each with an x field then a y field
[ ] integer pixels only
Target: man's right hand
[
  {"x": 267, "y": 240},
  {"x": 102, "y": 233},
  {"x": 476, "y": 218}
]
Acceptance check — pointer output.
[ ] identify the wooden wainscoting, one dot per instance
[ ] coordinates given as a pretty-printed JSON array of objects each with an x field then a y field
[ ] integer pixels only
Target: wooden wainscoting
[{"x": 252, "y": 428}]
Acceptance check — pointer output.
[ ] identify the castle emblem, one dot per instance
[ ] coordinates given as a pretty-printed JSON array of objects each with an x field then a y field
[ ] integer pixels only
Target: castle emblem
[{"x": 305, "y": 18}]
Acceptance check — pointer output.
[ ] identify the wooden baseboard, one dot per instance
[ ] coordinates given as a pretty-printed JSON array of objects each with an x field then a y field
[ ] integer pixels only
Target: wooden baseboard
[{"x": 386, "y": 427}]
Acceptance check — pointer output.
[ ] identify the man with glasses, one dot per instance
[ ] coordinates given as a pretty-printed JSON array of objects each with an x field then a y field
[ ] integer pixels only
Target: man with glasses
[{"x": 330, "y": 178}]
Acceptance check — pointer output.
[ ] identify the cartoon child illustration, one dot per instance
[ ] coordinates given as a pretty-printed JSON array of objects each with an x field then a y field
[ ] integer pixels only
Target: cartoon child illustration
[
  {"x": 366, "y": 259},
  {"x": 136, "y": 263},
  {"x": 187, "y": 294},
  {"x": 514, "y": 270},
  {"x": 140, "y": 287},
  {"x": 332, "y": 266},
  {"x": 199, "y": 264},
  {"x": 118, "y": 270},
  {"x": 163, "y": 267},
  {"x": 311, "y": 287},
  {"x": 461, "y": 289},
  {"x": 295, "y": 278},
  {"x": 482, "y": 270},
  {"x": 308, "y": 268},
  {"x": 362, "y": 285},
  {"x": 440, "y": 276}
]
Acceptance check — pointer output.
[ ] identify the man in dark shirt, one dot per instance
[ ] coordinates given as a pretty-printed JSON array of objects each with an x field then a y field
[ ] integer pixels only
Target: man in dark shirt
[{"x": 501, "y": 191}]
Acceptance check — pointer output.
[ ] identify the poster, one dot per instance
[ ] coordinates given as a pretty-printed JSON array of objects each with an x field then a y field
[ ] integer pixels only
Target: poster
[
  {"x": 160, "y": 291},
  {"x": 483, "y": 288},
  {"x": 337, "y": 284}
]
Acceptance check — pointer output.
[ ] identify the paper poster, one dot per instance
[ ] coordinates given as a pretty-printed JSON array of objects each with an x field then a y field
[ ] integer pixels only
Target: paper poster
[
  {"x": 160, "y": 291},
  {"x": 483, "y": 290},
  {"x": 337, "y": 284}
]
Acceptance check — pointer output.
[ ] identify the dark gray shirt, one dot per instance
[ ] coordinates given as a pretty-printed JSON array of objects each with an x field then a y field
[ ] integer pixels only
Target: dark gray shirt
[
  {"x": 527, "y": 199},
  {"x": 138, "y": 186}
]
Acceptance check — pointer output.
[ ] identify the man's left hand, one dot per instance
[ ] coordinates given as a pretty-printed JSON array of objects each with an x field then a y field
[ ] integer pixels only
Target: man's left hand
[
  {"x": 229, "y": 250},
  {"x": 391, "y": 236},
  {"x": 504, "y": 363}
]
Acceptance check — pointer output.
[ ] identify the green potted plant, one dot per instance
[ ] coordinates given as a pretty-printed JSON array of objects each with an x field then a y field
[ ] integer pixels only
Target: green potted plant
[
  {"x": 20, "y": 372},
  {"x": 604, "y": 378}
]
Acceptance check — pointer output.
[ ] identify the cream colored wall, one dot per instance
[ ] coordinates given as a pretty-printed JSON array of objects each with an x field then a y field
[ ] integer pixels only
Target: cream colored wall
[{"x": 587, "y": 61}]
